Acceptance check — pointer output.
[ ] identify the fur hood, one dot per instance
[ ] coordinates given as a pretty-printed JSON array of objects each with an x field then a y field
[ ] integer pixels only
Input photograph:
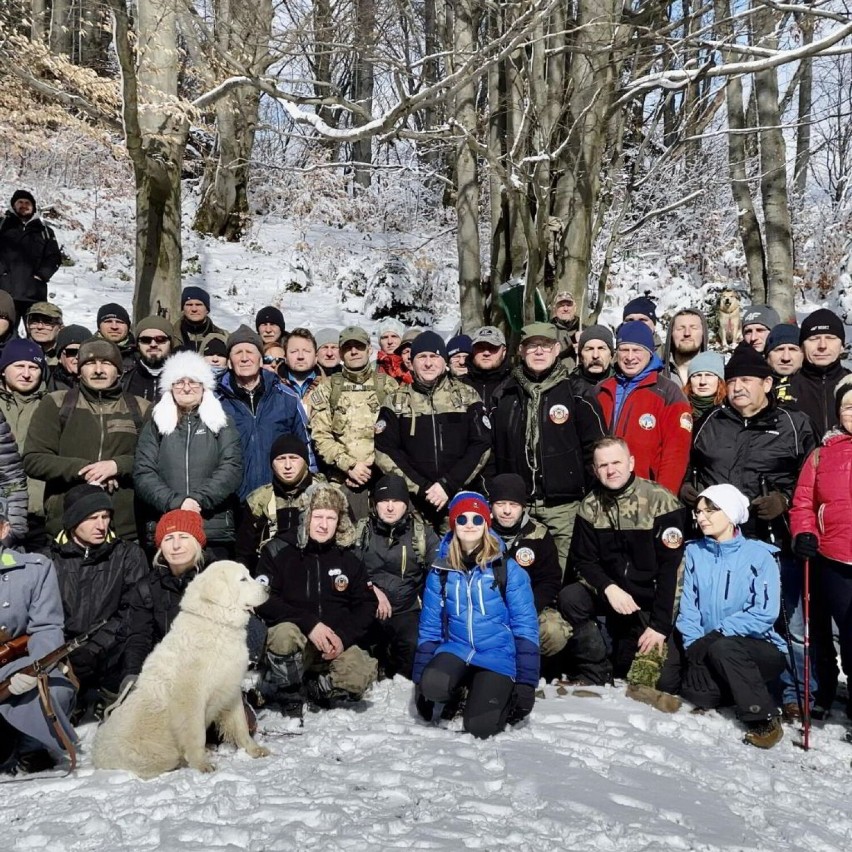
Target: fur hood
[
  {"x": 325, "y": 495},
  {"x": 188, "y": 365}
]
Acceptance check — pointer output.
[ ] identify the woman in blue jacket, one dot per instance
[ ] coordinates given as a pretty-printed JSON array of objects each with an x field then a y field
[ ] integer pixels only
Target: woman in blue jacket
[
  {"x": 478, "y": 626},
  {"x": 731, "y": 599}
]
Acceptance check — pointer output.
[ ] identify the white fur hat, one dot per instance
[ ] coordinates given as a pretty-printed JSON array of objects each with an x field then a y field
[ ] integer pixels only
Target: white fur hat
[
  {"x": 730, "y": 500},
  {"x": 188, "y": 365}
]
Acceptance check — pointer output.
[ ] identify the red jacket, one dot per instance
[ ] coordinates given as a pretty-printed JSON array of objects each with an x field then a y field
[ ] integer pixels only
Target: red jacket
[
  {"x": 656, "y": 422},
  {"x": 391, "y": 364},
  {"x": 822, "y": 501}
]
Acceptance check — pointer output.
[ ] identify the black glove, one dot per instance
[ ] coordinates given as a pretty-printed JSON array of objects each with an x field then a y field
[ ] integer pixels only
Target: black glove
[
  {"x": 85, "y": 663},
  {"x": 522, "y": 702},
  {"x": 688, "y": 494},
  {"x": 770, "y": 506},
  {"x": 698, "y": 680},
  {"x": 806, "y": 545},
  {"x": 697, "y": 651}
]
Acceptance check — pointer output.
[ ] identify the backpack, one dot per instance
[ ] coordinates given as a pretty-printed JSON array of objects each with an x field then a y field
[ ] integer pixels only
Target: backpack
[{"x": 69, "y": 403}]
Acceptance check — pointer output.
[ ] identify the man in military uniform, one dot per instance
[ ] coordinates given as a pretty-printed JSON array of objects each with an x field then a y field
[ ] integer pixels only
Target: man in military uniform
[
  {"x": 434, "y": 433},
  {"x": 343, "y": 419}
]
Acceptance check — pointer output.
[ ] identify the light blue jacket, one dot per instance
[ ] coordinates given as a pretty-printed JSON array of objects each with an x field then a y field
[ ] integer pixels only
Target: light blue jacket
[{"x": 731, "y": 586}]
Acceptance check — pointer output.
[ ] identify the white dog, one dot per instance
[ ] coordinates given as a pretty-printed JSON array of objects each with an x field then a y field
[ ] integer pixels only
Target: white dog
[
  {"x": 190, "y": 680},
  {"x": 728, "y": 318}
]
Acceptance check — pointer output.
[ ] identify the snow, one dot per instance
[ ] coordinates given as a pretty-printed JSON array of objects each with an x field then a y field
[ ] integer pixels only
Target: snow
[{"x": 583, "y": 773}]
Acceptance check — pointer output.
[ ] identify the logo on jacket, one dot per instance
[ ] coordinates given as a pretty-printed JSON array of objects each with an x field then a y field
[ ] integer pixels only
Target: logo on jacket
[
  {"x": 341, "y": 582},
  {"x": 558, "y": 414},
  {"x": 485, "y": 421},
  {"x": 672, "y": 537},
  {"x": 380, "y": 427},
  {"x": 647, "y": 421},
  {"x": 262, "y": 579},
  {"x": 686, "y": 421},
  {"x": 525, "y": 557}
]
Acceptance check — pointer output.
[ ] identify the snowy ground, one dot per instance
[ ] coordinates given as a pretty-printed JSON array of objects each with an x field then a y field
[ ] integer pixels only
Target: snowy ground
[{"x": 582, "y": 774}]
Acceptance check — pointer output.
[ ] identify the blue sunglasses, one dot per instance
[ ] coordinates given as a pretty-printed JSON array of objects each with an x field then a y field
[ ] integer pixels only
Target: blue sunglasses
[{"x": 476, "y": 520}]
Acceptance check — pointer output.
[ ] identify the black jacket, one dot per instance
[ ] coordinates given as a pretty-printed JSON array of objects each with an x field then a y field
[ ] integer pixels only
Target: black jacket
[
  {"x": 485, "y": 382},
  {"x": 811, "y": 390},
  {"x": 532, "y": 546},
  {"x": 320, "y": 583},
  {"x": 558, "y": 465},
  {"x": 27, "y": 249},
  {"x": 58, "y": 378},
  {"x": 138, "y": 381}
]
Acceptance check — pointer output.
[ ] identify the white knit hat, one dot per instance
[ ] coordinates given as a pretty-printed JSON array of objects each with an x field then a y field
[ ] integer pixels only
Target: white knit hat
[
  {"x": 390, "y": 324},
  {"x": 730, "y": 500},
  {"x": 188, "y": 365}
]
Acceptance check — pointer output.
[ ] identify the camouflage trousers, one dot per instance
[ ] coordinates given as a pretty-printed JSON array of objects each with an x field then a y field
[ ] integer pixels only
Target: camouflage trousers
[
  {"x": 559, "y": 520},
  {"x": 553, "y": 632},
  {"x": 353, "y": 671}
]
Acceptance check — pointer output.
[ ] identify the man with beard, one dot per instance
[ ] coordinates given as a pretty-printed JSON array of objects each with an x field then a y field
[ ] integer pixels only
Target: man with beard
[
  {"x": 594, "y": 355},
  {"x": 686, "y": 338},
  {"x": 65, "y": 373},
  {"x": 154, "y": 345},
  {"x": 488, "y": 365}
]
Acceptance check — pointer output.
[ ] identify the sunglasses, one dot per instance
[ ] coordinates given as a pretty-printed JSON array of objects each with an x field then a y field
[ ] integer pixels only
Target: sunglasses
[
  {"x": 71, "y": 352},
  {"x": 147, "y": 340},
  {"x": 268, "y": 359},
  {"x": 464, "y": 520}
]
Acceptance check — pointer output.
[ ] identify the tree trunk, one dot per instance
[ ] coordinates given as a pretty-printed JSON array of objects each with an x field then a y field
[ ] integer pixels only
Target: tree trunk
[
  {"x": 61, "y": 29},
  {"x": 362, "y": 85},
  {"x": 40, "y": 23},
  {"x": 93, "y": 37},
  {"x": 803, "y": 131}
]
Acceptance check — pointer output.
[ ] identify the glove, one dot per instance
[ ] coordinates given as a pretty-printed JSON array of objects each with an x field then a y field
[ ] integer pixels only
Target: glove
[
  {"x": 806, "y": 545},
  {"x": 697, "y": 651},
  {"x": 20, "y": 683},
  {"x": 523, "y": 700},
  {"x": 771, "y": 506},
  {"x": 688, "y": 494},
  {"x": 84, "y": 662},
  {"x": 698, "y": 680}
]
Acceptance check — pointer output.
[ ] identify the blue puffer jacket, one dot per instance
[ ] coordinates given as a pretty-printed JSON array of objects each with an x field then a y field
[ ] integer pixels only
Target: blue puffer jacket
[
  {"x": 261, "y": 417},
  {"x": 470, "y": 619},
  {"x": 731, "y": 586}
]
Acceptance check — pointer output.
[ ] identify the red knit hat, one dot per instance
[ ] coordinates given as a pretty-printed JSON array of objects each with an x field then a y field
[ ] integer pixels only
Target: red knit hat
[
  {"x": 469, "y": 501},
  {"x": 180, "y": 520}
]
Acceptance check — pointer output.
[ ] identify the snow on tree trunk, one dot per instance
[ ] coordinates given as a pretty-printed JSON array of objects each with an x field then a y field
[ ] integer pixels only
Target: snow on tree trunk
[{"x": 362, "y": 85}]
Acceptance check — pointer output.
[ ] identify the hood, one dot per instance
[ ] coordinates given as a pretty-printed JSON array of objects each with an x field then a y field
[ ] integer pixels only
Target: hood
[
  {"x": 188, "y": 365},
  {"x": 325, "y": 495}
]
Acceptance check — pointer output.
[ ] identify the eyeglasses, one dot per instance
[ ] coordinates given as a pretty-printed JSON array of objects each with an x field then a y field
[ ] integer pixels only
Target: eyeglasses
[
  {"x": 68, "y": 352},
  {"x": 187, "y": 383},
  {"x": 268, "y": 359},
  {"x": 41, "y": 321},
  {"x": 147, "y": 340},
  {"x": 464, "y": 520},
  {"x": 543, "y": 347},
  {"x": 706, "y": 512}
]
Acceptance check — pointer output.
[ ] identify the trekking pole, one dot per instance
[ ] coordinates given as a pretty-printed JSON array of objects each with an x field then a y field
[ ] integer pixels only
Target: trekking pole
[{"x": 806, "y": 715}]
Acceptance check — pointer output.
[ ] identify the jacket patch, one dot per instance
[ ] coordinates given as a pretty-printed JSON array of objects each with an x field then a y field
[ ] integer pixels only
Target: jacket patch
[
  {"x": 647, "y": 421},
  {"x": 672, "y": 537},
  {"x": 525, "y": 556},
  {"x": 558, "y": 414},
  {"x": 686, "y": 421},
  {"x": 341, "y": 583},
  {"x": 485, "y": 421},
  {"x": 380, "y": 427},
  {"x": 262, "y": 579}
]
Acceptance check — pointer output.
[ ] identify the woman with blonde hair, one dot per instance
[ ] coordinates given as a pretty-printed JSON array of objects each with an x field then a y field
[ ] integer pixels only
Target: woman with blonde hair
[{"x": 478, "y": 626}]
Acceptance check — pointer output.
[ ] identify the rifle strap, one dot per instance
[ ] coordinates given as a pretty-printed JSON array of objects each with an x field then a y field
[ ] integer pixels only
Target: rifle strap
[{"x": 53, "y": 720}]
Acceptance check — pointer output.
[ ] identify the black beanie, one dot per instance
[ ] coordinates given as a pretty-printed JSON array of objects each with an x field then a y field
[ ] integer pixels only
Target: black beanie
[
  {"x": 289, "y": 445},
  {"x": 822, "y": 321},
  {"x": 82, "y": 501},
  {"x": 508, "y": 486},
  {"x": 113, "y": 311},
  {"x": 747, "y": 361},
  {"x": 23, "y": 193},
  {"x": 271, "y": 315},
  {"x": 429, "y": 341},
  {"x": 391, "y": 487}
]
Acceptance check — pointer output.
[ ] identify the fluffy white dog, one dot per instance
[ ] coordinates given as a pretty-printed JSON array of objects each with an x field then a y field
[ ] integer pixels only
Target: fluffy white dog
[{"x": 190, "y": 680}]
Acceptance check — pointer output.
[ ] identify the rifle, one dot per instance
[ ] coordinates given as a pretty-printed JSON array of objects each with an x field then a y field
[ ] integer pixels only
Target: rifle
[{"x": 11, "y": 649}]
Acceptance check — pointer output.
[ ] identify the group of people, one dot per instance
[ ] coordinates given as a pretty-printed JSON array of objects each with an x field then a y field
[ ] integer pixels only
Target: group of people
[{"x": 600, "y": 506}]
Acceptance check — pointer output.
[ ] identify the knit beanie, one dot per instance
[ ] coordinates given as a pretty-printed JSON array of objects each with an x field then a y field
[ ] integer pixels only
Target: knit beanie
[
  {"x": 154, "y": 323},
  {"x": 95, "y": 349},
  {"x": 71, "y": 334},
  {"x": 214, "y": 344},
  {"x": 730, "y": 500},
  {"x": 113, "y": 310},
  {"x": 761, "y": 315},
  {"x": 469, "y": 501},
  {"x": 391, "y": 487},
  {"x": 459, "y": 344},
  {"x": 180, "y": 520},
  {"x": 19, "y": 194},
  {"x": 822, "y": 321},
  {"x": 288, "y": 445},
  {"x": 596, "y": 332},
  {"x": 22, "y": 350},
  {"x": 244, "y": 335},
  {"x": 390, "y": 324},
  {"x": 747, "y": 361},
  {"x": 781, "y": 335},
  {"x": 510, "y": 487},
  {"x": 195, "y": 293},
  {"x": 637, "y": 334},
  {"x": 81, "y": 501},
  {"x": 707, "y": 362},
  {"x": 641, "y": 305},
  {"x": 270, "y": 315},
  {"x": 411, "y": 333},
  {"x": 329, "y": 335},
  {"x": 428, "y": 341},
  {"x": 7, "y": 309}
]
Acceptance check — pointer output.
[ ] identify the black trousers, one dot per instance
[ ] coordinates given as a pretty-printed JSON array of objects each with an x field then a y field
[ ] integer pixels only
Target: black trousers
[
  {"x": 834, "y": 580},
  {"x": 737, "y": 671},
  {"x": 488, "y": 698},
  {"x": 393, "y": 642}
]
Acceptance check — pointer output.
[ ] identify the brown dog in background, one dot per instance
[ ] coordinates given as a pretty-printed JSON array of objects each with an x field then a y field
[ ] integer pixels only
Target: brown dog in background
[{"x": 729, "y": 317}]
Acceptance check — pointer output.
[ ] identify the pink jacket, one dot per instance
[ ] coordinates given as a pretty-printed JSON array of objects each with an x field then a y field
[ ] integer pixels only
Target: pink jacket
[{"x": 822, "y": 501}]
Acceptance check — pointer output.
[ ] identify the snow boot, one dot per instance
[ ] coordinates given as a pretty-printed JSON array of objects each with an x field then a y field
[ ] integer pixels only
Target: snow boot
[
  {"x": 764, "y": 734},
  {"x": 662, "y": 701}
]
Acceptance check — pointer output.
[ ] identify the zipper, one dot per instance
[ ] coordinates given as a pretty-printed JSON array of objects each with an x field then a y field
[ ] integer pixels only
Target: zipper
[
  {"x": 727, "y": 583},
  {"x": 470, "y": 619},
  {"x": 186, "y": 459},
  {"x": 101, "y": 419},
  {"x": 319, "y": 588}
]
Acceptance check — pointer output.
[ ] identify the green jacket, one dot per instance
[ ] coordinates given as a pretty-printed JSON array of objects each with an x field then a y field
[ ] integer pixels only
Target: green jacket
[{"x": 18, "y": 409}]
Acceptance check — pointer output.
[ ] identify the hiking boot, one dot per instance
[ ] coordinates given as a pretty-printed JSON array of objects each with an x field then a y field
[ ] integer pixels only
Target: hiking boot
[
  {"x": 662, "y": 701},
  {"x": 764, "y": 734},
  {"x": 791, "y": 713},
  {"x": 39, "y": 760},
  {"x": 322, "y": 693}
]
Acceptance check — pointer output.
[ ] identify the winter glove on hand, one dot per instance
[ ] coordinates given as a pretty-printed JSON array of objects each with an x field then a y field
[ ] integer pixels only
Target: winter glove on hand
[
  {"x": 84, "y": 662},
  {"x": 806, "y": 545},
  {"x": 688, "y": 494},
  {"x": 522, "y": 702},
  {"x": 20, "y": 683},
  {"x": 771, "y": 506},
  {"x": 698, "y": 680},
  {"x": 697, "y": 651}
]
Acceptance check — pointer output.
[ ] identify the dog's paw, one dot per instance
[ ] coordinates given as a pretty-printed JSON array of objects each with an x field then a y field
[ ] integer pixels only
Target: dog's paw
[
  {"x": 258, "y": 751},
  {"x": 203, "y": 766}
]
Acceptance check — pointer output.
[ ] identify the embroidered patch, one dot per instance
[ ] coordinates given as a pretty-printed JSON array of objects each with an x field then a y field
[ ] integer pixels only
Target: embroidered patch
[
  {"x": 558, "y": 414},
  {"x": 672, "y": 537},
  {"x": 647, "y": 421},
  {"x": 341, "y": 583},
  {"x": 380, "y": 427},
  {"x": 333, "y": 572},
  {"x": 686, "y": 421},
  {"x": 525, "y": 557},
  {"x": 485, "y": 421},
  {"x": 262, "y": 579}
]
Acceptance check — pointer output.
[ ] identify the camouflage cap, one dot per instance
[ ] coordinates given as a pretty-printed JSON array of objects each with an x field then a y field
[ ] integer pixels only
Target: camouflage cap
[
  {"x": 488, "y": 334},
  {"x": 539, "y": 329},
  {"x": 564, "y": 296},
  {"x": 356, "y": 333},
  {"x": 45, "y": 309}
]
